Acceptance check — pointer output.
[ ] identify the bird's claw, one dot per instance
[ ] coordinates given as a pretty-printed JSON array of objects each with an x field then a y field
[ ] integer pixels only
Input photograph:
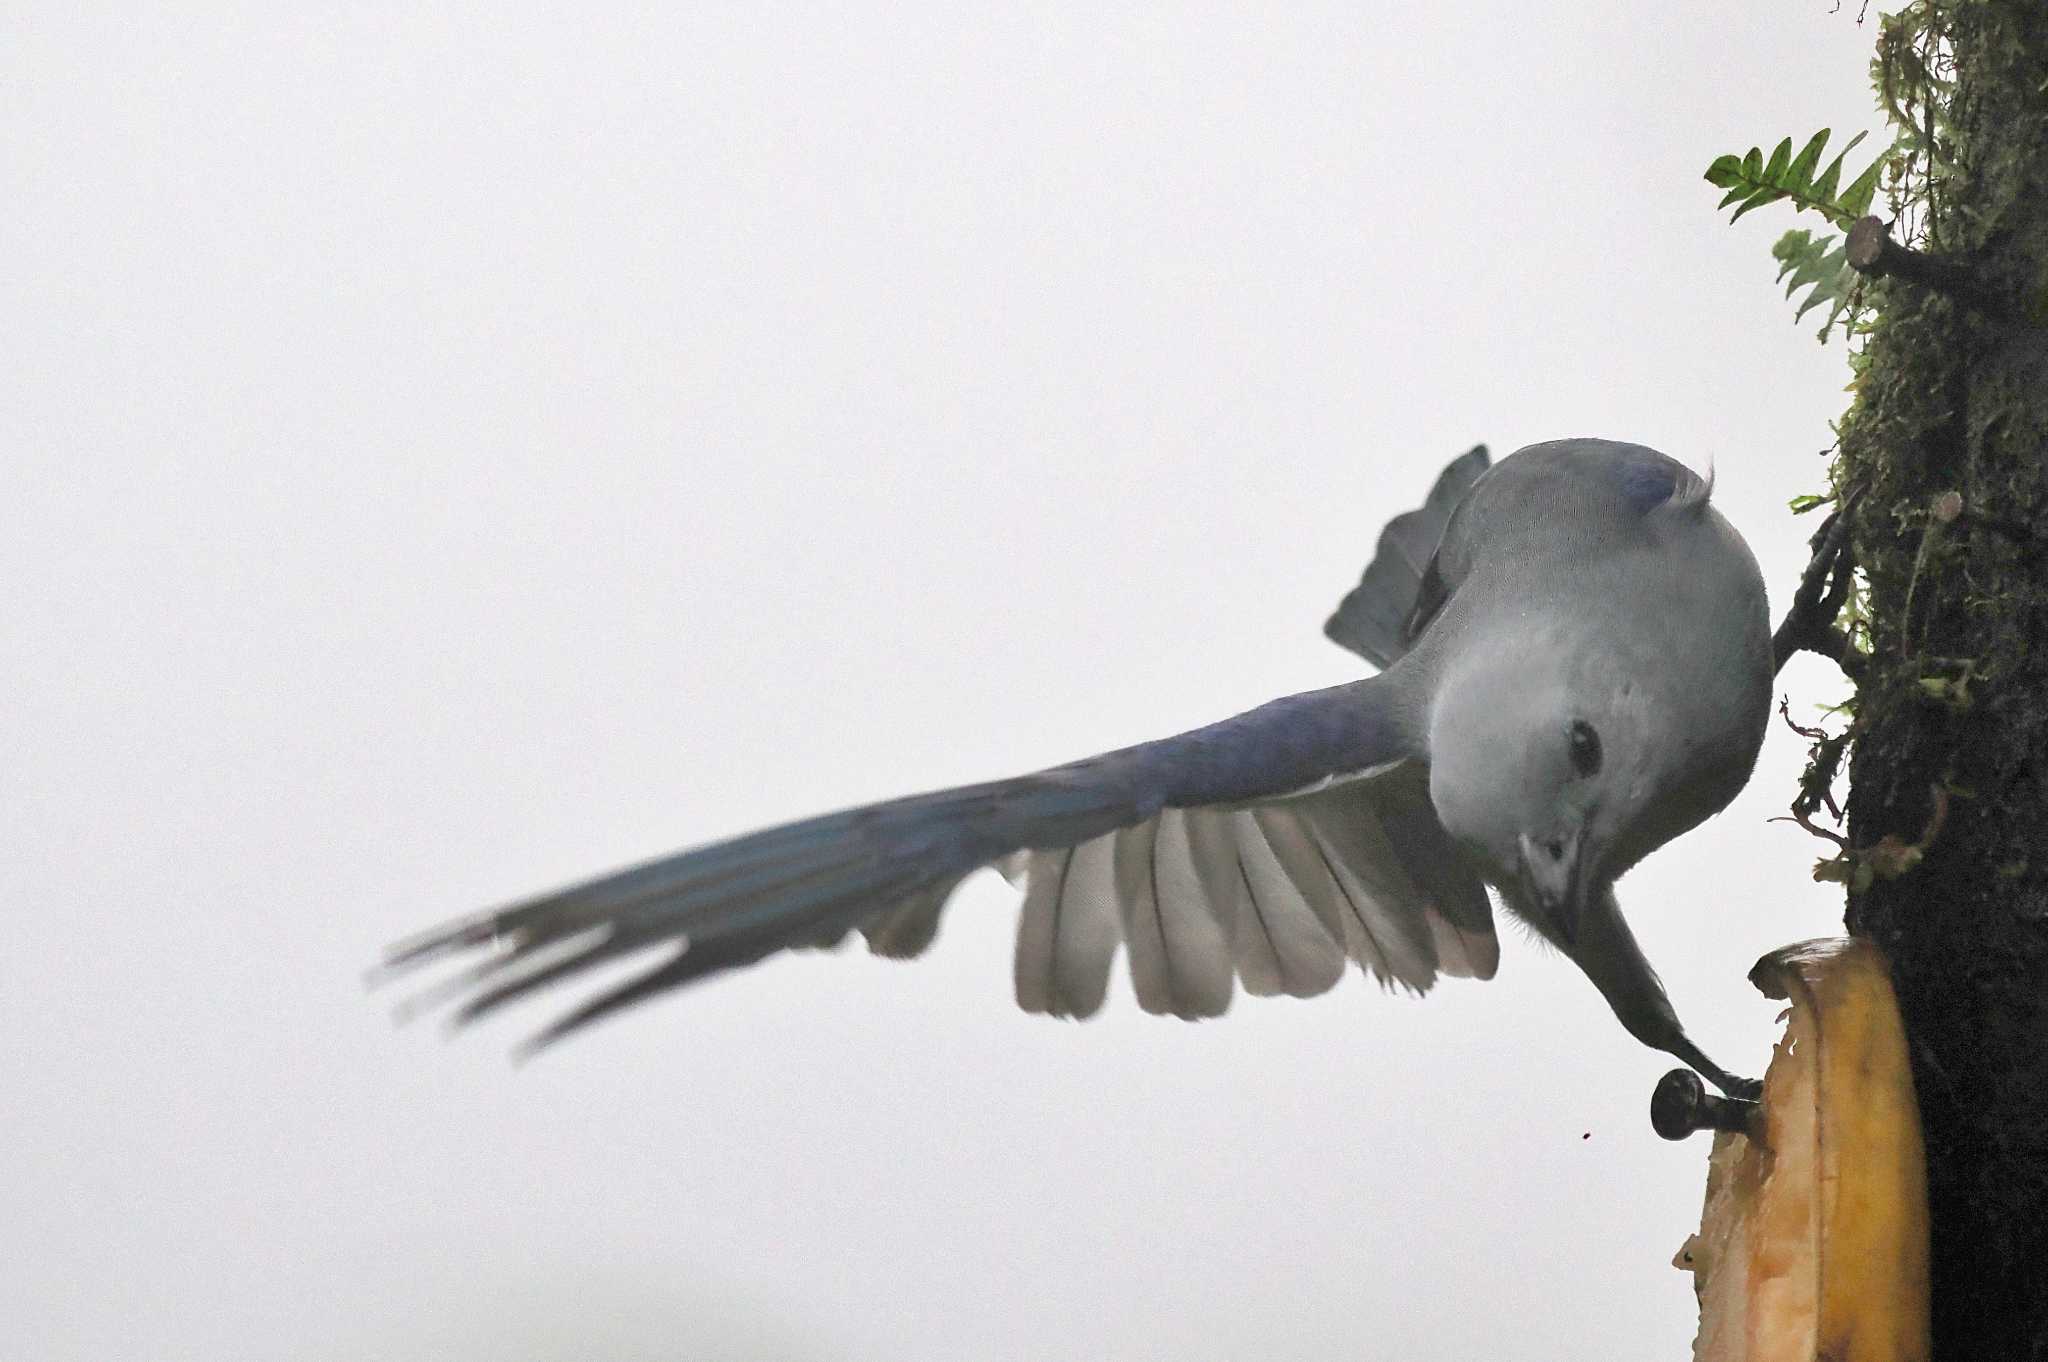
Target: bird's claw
[{"x": 1742, "y": 1089}]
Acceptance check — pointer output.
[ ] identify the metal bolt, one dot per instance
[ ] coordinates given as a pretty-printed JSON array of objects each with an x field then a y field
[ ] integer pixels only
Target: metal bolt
[{"x": 1682, "y": 1106}]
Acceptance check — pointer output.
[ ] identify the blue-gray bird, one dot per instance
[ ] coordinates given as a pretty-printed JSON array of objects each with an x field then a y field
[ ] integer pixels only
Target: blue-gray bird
[{"x": 1575, "y": 668}]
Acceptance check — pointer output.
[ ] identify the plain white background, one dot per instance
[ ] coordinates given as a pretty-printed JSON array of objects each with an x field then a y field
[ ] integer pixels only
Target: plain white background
[{"x": 454, "y": 450}]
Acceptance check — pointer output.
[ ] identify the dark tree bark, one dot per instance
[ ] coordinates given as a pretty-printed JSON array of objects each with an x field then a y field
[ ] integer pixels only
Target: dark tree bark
[{"x": 1945, "y": 454}]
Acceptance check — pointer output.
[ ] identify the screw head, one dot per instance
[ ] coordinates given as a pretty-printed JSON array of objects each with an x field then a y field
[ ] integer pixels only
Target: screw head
[
  {"x": 1675, "y": 1104},
  {"x": 1680, "y": 1105}
]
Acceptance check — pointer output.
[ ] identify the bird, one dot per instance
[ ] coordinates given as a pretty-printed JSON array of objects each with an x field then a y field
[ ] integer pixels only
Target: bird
[{"x": 1574, "y": 666}]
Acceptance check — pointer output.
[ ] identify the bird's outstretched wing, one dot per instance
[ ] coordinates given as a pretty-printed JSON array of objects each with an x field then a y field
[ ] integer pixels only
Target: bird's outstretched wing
[{"x": 1268, "y": 847}]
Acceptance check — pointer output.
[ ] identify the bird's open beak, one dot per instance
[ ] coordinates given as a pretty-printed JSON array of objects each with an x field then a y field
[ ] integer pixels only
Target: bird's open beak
[{"x": 1557, "y": 882}]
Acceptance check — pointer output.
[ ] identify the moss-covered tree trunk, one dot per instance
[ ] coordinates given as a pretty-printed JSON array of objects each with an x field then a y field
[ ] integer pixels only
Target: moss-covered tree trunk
[{"x": 1954, "y": 695}]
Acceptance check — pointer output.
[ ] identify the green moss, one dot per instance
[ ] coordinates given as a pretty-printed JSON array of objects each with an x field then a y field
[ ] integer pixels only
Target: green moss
[{"x": 1948, "y": 402}]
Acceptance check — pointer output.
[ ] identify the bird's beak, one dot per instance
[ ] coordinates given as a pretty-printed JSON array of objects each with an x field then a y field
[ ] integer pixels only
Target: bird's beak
[{"x": 1557, "y": 882}]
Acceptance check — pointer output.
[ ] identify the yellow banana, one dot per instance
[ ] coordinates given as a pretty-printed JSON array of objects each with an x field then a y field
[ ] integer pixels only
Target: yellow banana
[{"x": 1813, "y": 1243}]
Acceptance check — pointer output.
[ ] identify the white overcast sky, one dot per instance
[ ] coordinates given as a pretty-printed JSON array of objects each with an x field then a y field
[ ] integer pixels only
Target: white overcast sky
[{"x": 452, "y": 450}]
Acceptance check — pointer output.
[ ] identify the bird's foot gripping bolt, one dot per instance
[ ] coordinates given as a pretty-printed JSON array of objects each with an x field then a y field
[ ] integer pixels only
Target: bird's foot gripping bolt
[{"x": 1681, "y": 1106}]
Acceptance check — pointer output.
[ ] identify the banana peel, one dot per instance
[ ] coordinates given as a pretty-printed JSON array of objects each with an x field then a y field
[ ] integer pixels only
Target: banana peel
[{"x": 1813, "y": 1242}]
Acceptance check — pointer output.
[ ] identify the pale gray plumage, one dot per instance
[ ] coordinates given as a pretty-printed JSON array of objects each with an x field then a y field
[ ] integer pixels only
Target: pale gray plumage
[{"x": 1577, "y": 668}]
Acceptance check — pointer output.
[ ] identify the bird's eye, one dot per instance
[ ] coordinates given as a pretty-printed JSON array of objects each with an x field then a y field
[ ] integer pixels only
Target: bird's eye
[{"x": 1585, "y": 748}]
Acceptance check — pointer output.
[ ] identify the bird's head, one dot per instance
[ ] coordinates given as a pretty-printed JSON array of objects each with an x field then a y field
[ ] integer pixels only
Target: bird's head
[{"x": 1552, "y": 782}]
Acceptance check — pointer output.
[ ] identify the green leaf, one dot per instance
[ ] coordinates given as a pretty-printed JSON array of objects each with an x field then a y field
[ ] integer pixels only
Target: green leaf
[
  {"x": 1824, "y": 187},
  {"x": 1835, "y": 292},
  {"x": 1801, "y": 505},
  {"x": 1819, "y": 265},
  {"x": 1781, "y": 158},
  {"x": 1855, "y": 200},
  {"x": 1725, "y": 172},
  {"x": 1757, "y": 200},
  {"x": 1752, "y": 180},
  {"x": 1800, "y": 256},
  {"x": 1802, "y": 166}
]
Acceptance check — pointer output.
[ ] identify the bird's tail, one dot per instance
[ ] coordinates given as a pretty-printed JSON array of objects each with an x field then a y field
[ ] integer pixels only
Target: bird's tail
[{"x": 1375, "y": 620}]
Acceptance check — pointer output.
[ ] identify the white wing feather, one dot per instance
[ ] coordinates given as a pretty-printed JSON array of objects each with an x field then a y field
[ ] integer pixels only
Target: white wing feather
[
  {"x": 1179, "y": 952},
  {"x": 1276, "y": 897}
]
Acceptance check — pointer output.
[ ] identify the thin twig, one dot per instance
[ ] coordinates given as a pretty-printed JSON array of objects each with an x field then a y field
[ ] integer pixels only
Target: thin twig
[{"x": 1823, "y": 589}]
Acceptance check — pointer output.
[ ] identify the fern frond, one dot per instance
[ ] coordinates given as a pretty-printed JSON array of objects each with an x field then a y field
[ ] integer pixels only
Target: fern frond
[
  {"x": 1821, "y": 266},
  {"x": 1753, "y": 181}
]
